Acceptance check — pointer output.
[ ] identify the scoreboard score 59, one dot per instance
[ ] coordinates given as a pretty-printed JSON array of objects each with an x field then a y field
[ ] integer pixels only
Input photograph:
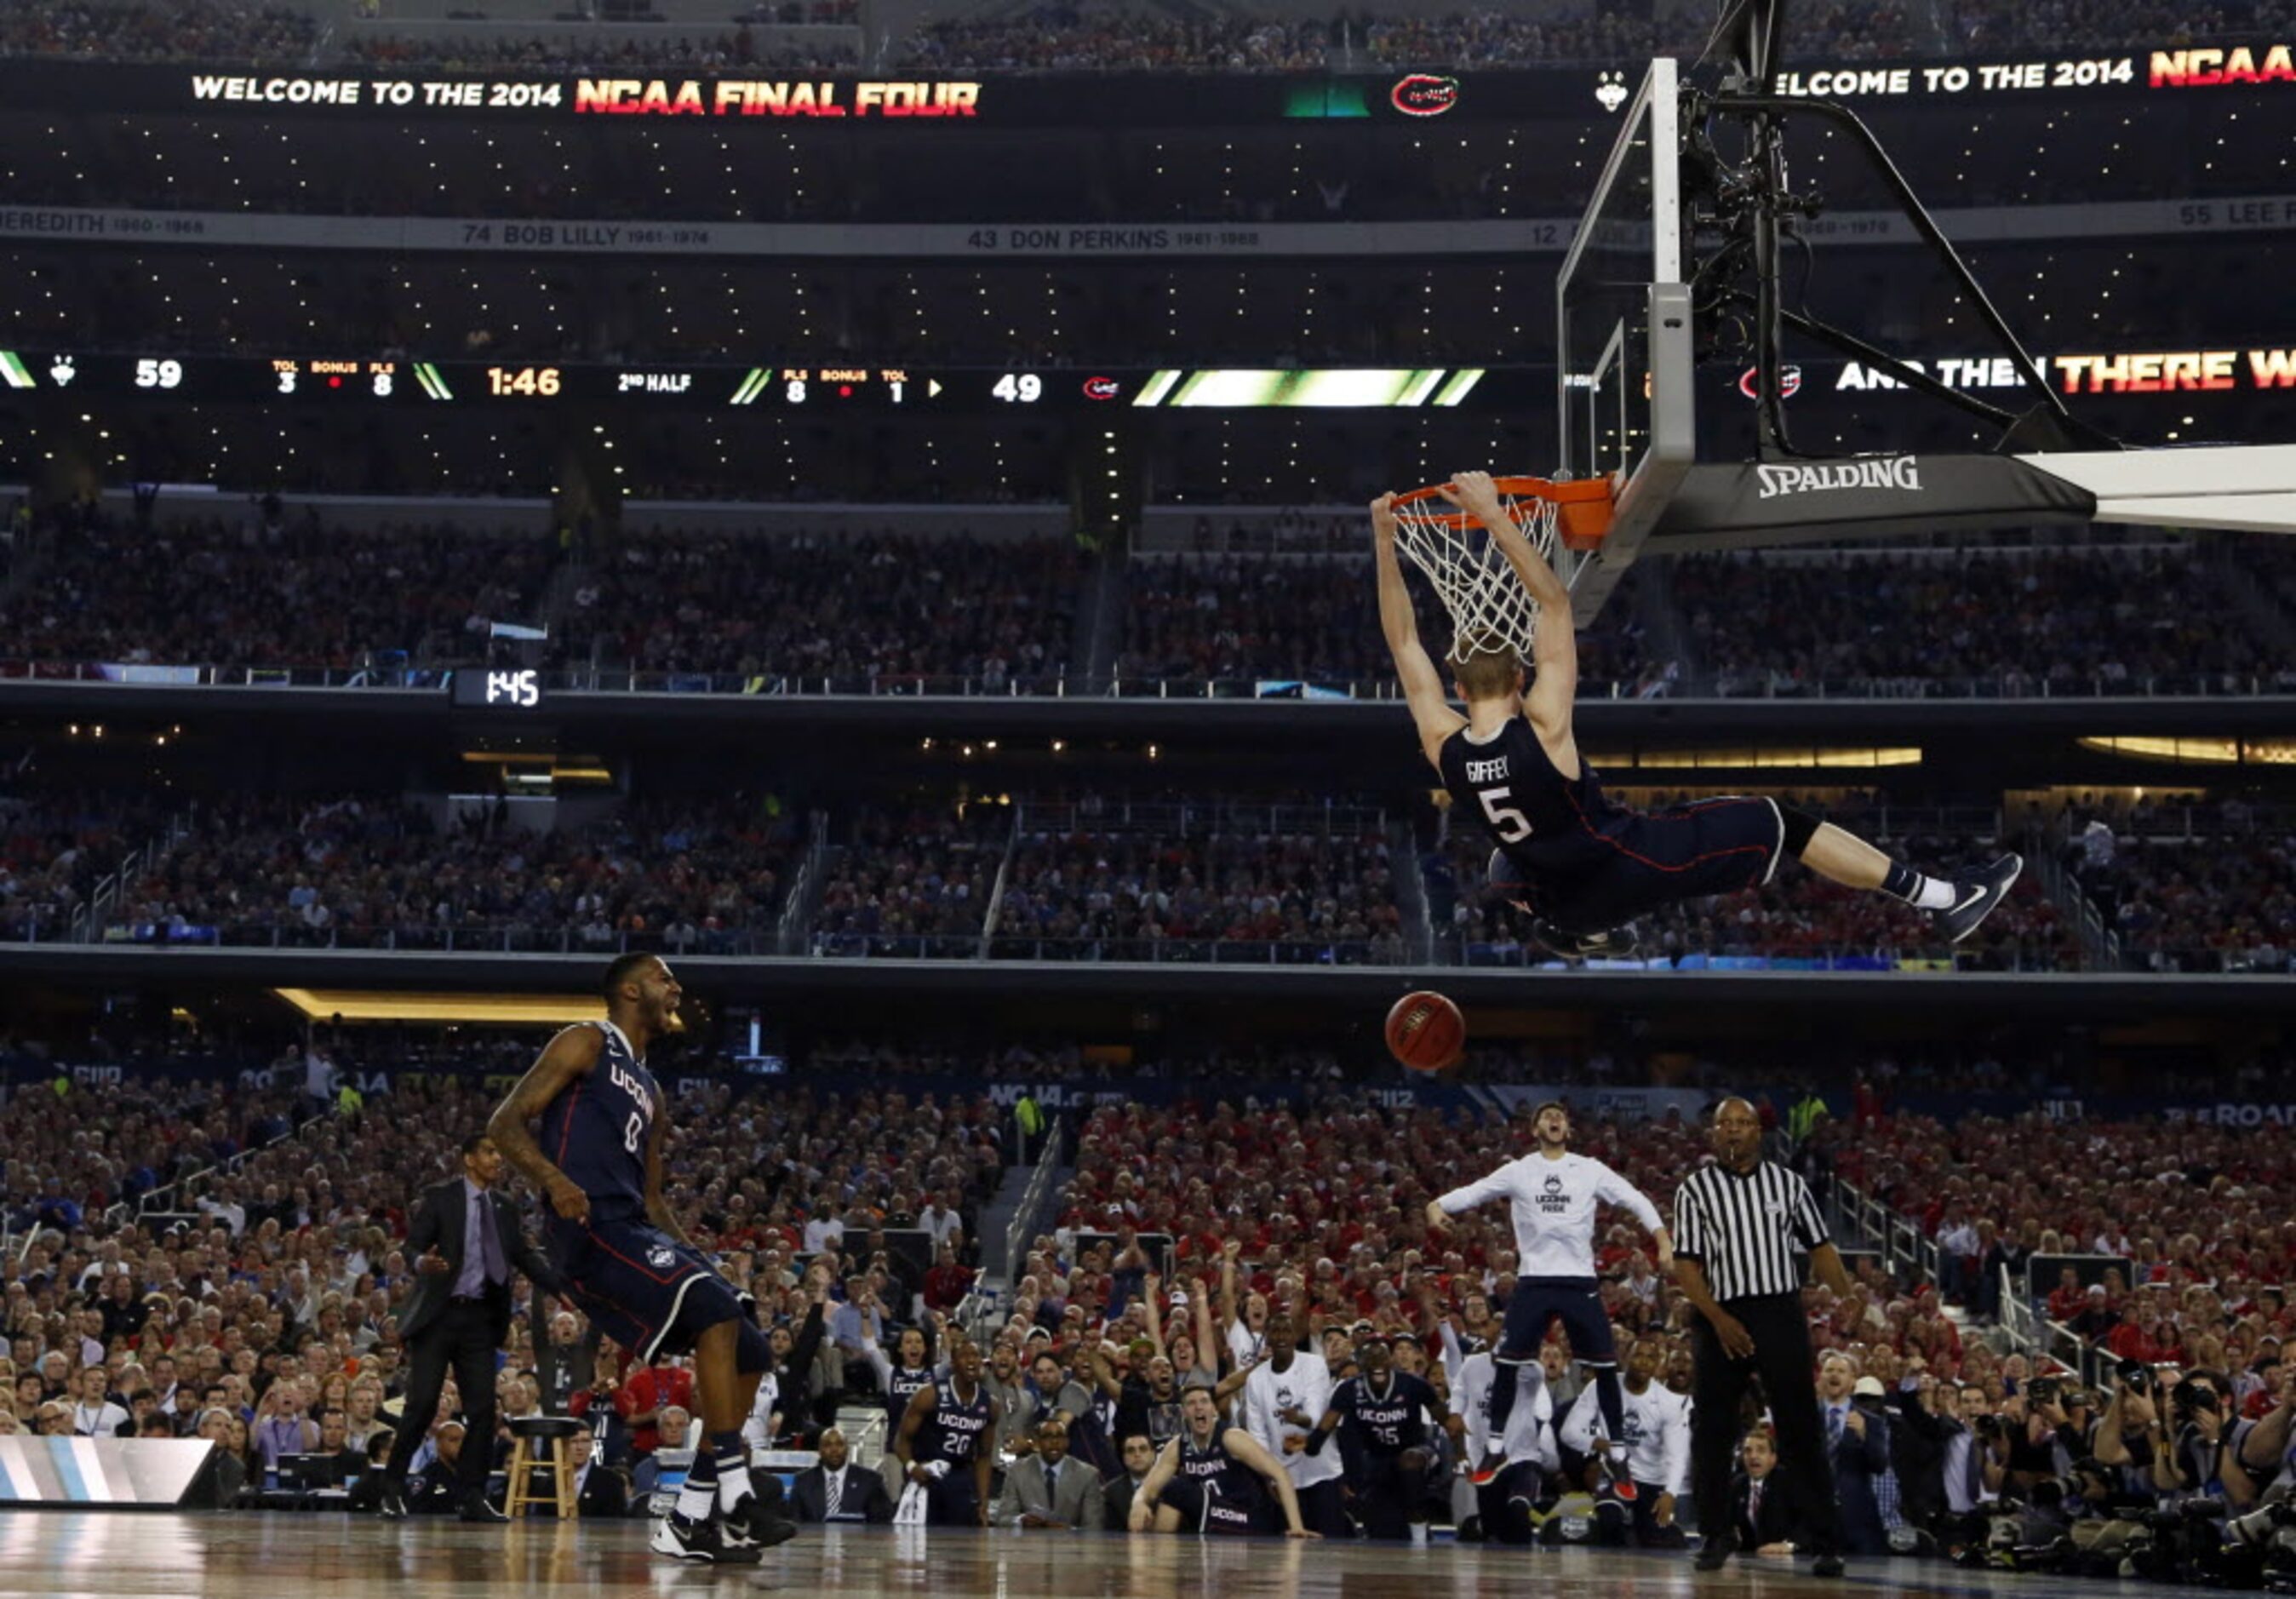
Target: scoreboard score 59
[{"x": 232, "y": 379}]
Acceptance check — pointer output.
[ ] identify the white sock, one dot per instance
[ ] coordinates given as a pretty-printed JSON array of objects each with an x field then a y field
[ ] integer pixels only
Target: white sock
[
  {"x": 1935, "y": 894},
  {"x": 733, "y": 1482},
  {"x": 1418, "y": 1532},
  {"x": 696, "y": 1500}
]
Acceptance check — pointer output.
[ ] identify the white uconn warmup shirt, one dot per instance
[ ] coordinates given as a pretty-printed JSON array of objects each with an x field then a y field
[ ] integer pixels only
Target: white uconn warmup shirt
[
  {"x": 1306, "y": 1388},
  {"x": 1553, "y": 1205},
  {"x": 1527, "y": 1436},
  {"x": 1657, "y": 1427}
]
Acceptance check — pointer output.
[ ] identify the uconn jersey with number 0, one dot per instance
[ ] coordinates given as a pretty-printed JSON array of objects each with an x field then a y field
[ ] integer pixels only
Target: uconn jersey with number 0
[{"x": 646, "y": 1291}]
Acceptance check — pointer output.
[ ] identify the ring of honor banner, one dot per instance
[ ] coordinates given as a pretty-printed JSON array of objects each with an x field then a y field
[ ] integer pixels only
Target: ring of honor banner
[{"x": 138, "y": 1474}]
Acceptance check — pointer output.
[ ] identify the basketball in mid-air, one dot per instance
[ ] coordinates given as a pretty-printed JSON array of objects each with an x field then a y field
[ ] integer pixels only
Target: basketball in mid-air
[{"x": 1426, "y": 1032}]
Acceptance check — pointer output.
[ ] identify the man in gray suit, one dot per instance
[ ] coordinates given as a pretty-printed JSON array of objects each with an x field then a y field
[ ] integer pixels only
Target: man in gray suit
[{"x": 1051, "y": 1491}]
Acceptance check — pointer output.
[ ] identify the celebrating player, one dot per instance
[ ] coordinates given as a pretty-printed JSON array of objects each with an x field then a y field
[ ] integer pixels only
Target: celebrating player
[
  {"x": 626, "y": 1261},
  {"x": 1552, "y": 1195},
  {"x": 1214, "y": 1479},
  {"x": 1581, "y": 864}
]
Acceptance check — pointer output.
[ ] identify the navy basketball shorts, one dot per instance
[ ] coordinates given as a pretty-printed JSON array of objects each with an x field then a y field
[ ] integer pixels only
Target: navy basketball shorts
[
  {"x": 1506, "y": 1503},
  {"x": 1708, "y": 847},
  {"x": 1539, "y": 1302},
  {"x": 1389, "y": 1492},
  {"x": 954, "y": 1500},
  {"x": 648, "y": 1293},
  {"x": 1204, "y": 1509}
]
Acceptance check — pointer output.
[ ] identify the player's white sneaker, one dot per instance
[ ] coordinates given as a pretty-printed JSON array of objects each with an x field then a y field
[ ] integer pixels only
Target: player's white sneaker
[
  {"x": 1977, "y": 900},
  {"x": 701, "y": 1541}
]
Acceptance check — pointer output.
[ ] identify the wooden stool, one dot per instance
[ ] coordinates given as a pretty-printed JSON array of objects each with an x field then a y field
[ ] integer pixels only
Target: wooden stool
[{"x": 554, "y": 1435}]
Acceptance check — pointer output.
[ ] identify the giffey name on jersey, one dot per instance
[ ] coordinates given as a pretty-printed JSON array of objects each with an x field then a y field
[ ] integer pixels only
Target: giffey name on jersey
[{"x": 1487, "y": 771}]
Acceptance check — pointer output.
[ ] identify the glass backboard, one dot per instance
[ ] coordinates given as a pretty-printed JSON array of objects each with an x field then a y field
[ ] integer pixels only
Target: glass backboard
[{"x": 1624, "y": 351}]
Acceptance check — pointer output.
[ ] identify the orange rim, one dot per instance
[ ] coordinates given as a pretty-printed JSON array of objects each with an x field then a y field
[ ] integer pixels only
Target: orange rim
[{"x": 1583, "y": 507}]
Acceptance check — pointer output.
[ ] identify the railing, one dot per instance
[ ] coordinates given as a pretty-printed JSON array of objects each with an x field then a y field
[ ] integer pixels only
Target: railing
[
  {"x": 118, "y": 1215},
  {"x": 1377, "y": 687},
  {"x": 1032, "y": 1199},
  {"x": 1177, "y": 818},
  {"x": 1203, "y": 952},
  {"x": 425, "y": 937},
  {"x": 1789, "y": 957},
  {"x": 1902, "y": 1244}
]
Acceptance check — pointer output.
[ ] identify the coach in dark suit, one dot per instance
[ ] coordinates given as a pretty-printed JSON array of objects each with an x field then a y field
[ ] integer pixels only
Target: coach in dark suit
[
  {"x": 1762, "y": 1509},
  {"x": 1857, "y": 1448},
  {"x": 858, "y": 1495},
  {"x": 464, "y": 1241}
]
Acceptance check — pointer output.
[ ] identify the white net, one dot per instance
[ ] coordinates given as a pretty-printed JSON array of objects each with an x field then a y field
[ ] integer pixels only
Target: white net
[{"x": 1490, "y": 608}]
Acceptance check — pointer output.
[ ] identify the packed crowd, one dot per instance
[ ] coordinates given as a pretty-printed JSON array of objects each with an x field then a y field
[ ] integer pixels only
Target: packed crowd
[
  {"x": 2009, "y": 622},
  {"x": 206, "y": 31},
  {"x": 269, "y": 590},
  {"x": 914, "y": 883},
  {"x": 2224, "y": 902},
  {"x": 886, "y": 611},
  {"x": 370, "y": 870},
  {"x": 256, "y": 1306},
  {"x": 1315, "y": 895},
  {"x": 1188, "y": 1245},
  {"x": 2190, "y": 1219},
  {"x": 1198, "y": 619},
  {"x": 1086, "y": 37},
  {"x": 56, "y": 848},
  {"x": 571, "y": 50},
  {"x": 1083, "y": 38}
]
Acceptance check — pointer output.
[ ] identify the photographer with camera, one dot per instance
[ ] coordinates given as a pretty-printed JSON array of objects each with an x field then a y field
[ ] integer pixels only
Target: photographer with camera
[
  {"x": 2262, "y": 1459},
  {"x": 2131, "y": 1436},
  {"x": 2196, "y": 1437}
]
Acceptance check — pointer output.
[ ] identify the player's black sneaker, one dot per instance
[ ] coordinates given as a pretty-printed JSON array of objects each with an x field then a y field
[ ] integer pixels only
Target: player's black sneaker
[
  {"x": 1619, "y": 944},
  {"x": 1488, "y": 1472},
  {"x": 1975, "y": 900},
  {"x": 701, "y": 1541},
  {"x": 1714, "y": 1554},
  {"x": 1826, "y": 1565},
  {"x": 753, "y": 1524}
]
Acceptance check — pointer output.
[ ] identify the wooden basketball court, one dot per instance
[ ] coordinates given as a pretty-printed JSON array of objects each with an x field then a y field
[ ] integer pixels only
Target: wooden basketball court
[{"x": 108, "y": 1554}]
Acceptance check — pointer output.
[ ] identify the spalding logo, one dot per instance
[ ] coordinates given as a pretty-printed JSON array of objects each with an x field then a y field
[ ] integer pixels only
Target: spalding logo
[
  {"x": 1102, "y": 389},
  {"x": 1789, "y": 382},
  {"x": 1424, "y": 94}
]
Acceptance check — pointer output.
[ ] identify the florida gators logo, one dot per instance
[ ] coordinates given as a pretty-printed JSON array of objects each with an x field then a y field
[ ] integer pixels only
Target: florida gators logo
[{"x": 1424, "y": 94}]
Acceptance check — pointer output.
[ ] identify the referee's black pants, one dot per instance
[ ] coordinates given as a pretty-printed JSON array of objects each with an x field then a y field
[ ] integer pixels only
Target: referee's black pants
[
  {"x": 1780, "y": 1330},
  {"x": 462, "y": 1337}
]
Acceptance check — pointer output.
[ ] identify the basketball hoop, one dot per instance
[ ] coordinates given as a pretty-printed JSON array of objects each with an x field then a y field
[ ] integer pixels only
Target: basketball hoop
[{"x": 1488, "y": 605}]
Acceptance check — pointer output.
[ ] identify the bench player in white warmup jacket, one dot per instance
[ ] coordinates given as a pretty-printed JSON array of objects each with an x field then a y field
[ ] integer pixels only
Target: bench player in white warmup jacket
[{"x": 1551, "y": 1194}]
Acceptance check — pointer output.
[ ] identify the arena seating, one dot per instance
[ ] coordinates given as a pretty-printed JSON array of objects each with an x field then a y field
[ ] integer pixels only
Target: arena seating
[
  {"x": 271, "y": 591},
  {"x": 373, "y": 872},
  {"x": 1305, "y": 884},
  {"x": 893, "y": 612},
  {"x": 1992, "y": 621}
]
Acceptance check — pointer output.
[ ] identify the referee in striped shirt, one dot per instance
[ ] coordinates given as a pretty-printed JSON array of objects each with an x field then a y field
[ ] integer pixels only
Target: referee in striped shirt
[{"x": 1737, "y": 1224}]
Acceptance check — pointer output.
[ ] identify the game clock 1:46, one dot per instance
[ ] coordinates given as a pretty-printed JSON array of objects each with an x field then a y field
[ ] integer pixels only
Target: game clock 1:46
[{"x": 509, "y": 381}]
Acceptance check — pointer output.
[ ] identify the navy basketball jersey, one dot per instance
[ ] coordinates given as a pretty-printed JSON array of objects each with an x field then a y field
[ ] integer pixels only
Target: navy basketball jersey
[
  {"x": 1218, "y": 1470},
  {"x": 1547, "y": 824},
  {"x": 1392, "y": 1421},
  {"x": 901, "y": 1385},
  {"x": 956, "y": 1430},
  {"x": 595, "y": 1130}
]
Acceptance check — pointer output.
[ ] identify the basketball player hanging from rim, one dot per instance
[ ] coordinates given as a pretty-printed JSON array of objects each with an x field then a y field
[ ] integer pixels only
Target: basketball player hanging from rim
[{"x": 1582, "y": 866}]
